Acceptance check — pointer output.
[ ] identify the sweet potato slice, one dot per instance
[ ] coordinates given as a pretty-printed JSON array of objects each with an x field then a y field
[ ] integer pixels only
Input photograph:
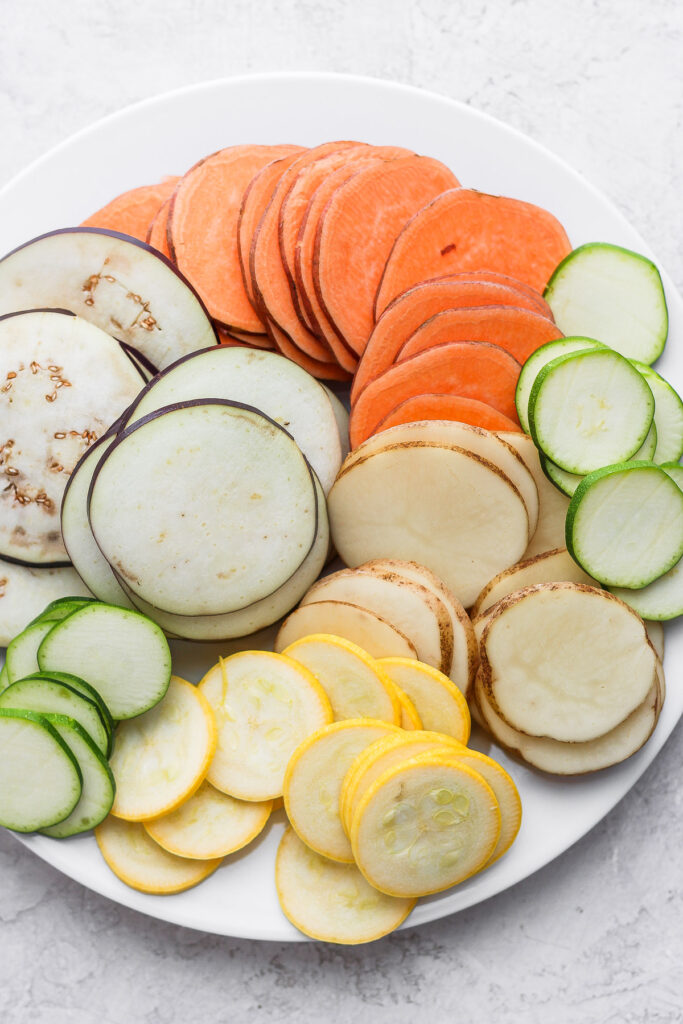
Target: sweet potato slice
[
  {"x": 285, "y": 345},
  {"x": 257, "y": 195},
  {"x": 245, "y": 340},
  {"x": 271, "y": 284},
  {"x": 157, "y": 231},
  {"x": 356, "y": 232},
  {"x": 447, "y": 407},
  {"x": 519, "y": 331},
  {"x": 467, "y": 230},
  {"x": 202, "y": 230},
  {"x": 132, "y": 212},
  {"x": 408, "y": 311},
  {"x": 471, "y": 369}
]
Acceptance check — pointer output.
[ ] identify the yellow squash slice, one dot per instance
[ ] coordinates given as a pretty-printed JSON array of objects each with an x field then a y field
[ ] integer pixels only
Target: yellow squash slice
[
  {"x": 354, "y": 682},
  {"x": 142, "y": 864},
  {"x": 332, "y": 902},
  {"x": 210, "y": 824},
  {"x": 161, "y": 757},
  {"x": 265, "y": 705},
  {"x": 439, "y": 702},
  {"x": 314, "y": 778},
  {"x": 425, "y": 825},
  {"x": 409, "y": 717}
]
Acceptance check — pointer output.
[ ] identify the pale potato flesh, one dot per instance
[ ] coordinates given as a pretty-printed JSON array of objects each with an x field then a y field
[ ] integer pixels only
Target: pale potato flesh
[
  {"x": 548, "y": 567},
  {"x": 552, "y": 503},
  {"x": 371, "y": 632}
]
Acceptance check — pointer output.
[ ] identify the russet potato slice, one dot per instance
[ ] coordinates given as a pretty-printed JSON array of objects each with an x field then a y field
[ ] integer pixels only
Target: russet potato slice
[
  {"x": 330, "y": 901},
  {"x": 440, "y": 704},
  {"x": 547, "y": 567},
  {"x": 313, "y": 782},
  {"x": 565, "y": 661},
  {"x": 265, "y": 705},
  {"x": 552, "y": 504},
  {"x": 362, "y": 627},
  {"x": 438, "y": 505}
]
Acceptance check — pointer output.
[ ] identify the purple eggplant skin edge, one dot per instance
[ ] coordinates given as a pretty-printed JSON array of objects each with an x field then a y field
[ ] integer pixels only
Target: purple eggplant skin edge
[
  {"x": 189, "y": 404},
  {"x": 123, "y": 238}
]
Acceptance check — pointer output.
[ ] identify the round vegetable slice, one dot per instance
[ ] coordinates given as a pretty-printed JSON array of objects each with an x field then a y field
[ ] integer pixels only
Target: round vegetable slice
[
  {"x": 40, "y": 779},
  {"x": 24, "y": 593},
  {"x": 265, "y": 704},
  {"x": 549, "y": 567},
  {"x": 535, "y": 363},
  {"x": 142, "y": 864},
  {"x": 64, "y": 382},
  {"x": 409, "y": 717},
  {"x": 116, "y": 282},
  {"x": 313, "y": 783},
  {"x": 161, "y": 758},
  {"x": 329, "y": 901},
  {"x": 48, "y": 695},
  {"x": 474, "y": 525},
  {"x": 552, "y": 504},
  {"x": 214, "y": 478},
  {"x": 370, "y": 631},
  {"x": 440, "y": 704},
  {"x": 565, "y": 661},
  {"x": 425, "y": 825},
  {"x": 270, "y": 383},
  {"x": 354, "y": 682},
  {"x": 661, "y": 600},
  {"x": 371, "y": 763},
  {"x": 22, "y": 652},
  {"x": 589, "y": 409},
  {"x": 607, "y": 292},
  {"x": 209, "y": 824},
  {"x": 80, "y": 686},
  {"x": 568, "y": 482},
  {"x": 625, "y": 524},
  {"x": 97, "y": 794},
  {"x": 668, "y": 416},
  {"x": 122, "y": 654}
]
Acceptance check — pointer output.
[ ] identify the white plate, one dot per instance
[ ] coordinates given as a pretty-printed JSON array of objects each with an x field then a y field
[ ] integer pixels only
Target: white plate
[{"x": 168, "y": 134}]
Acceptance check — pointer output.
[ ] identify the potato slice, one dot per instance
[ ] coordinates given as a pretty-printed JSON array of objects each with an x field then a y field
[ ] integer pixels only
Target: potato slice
[
  {"x": 655, "y": 631},
  {"x": 142, "y": 864},
  {"x": 438, "y": 505},
  {"x": 548, "y": 567},
  {"x": 161, "y": 757},
  {"x": 565, "y": 661},
  {"x": 440, "y": 704},
  {"x": 425, "y": 825},
  {"x": 465, "y": 649},
  {"x": 313, "y": 782},
  {"x": 559, "y": 758},
  {"x": 209, "y": 824},
  {"x": 265, "y": 705},
  {"x": 369, "y": 631},
  {"x": 408, "y": 606},
  {"x": 473, "y": 439},
  {"x": 552, "y": 504},
  {"x": 329, "y": 901},
  {"x": 354, "y": 682}
]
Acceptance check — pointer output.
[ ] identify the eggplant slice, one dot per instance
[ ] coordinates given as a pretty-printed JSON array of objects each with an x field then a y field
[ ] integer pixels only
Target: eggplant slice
[
  {"x": 215, "y": 507},
  {"x": 117, "y": 283},
  {"x": 63, "y": 381}
]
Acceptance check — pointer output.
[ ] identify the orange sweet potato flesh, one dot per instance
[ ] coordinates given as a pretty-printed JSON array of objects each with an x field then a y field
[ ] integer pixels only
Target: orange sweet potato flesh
[
  {"x": 519, "y": 331},
  {"x": 286, "y": 347},
  {"x": 244, "y": 340},
  {"x": 132, "y": 212},
  {"x": 202, "y": 230},
  {"x": 464, "y": 230},
  {"x": 447, "y": 407},
  {"x": 157, "y": 231},
  {"x": 415, "y": 306},
  {"x": 271, "y": 284},
  {"x": 357, "y": 231},
  {"x": 471, "y": 369},
  {"x": 257, "y": 195}
]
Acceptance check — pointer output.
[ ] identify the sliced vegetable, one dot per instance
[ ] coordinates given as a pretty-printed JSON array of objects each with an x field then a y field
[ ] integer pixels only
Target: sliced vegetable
[
  {"x": 22, "y": 652},
  {"x": 40, "y": 780},
  {"x": 362, "y": 627},
  {"x": 548, "y": 567},
  {"x": 157, "y": 233},
  {"x": 87, "y": 690},
  {"x": 625, "y": 524},
  {"x": 589, "y": 409},
  {"x": 24, "y": 593},
  {"x": 613, "y": 294},
  {"x": 552, "y": 504},
  {"x": 534, "y": 364},
  {"x": 440, "y": 705},
  {"x": 668, "y": 416},
  {"x": 121, "y": 653},
  {"x": 446, "y": 407},
  {"x": 46, "y": 695},
  {"x": 132, "y": 212},
  {"x": 97, "y": 793}
]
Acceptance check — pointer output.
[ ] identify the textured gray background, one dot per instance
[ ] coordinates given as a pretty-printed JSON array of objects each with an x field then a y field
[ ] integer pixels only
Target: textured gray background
[{"x": 596, "y": 936}]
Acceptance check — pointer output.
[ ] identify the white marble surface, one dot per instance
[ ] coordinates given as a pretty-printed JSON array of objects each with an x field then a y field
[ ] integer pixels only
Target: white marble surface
[{"x": 596, "y": 936}]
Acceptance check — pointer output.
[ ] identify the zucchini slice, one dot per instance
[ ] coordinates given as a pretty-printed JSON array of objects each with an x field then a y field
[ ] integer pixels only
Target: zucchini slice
[
  {"x": 87, "y": 690},
  {"x": 215, "y": 507},
  {"x": 121, "y": 285},
  {"x": 270, "y": 383},
  {"x": 122, "y": 654},
  {"x": 45, "y": 695},
  {"x": 535, "y": 363},
  {"x": 590, "y": 409},
  {"x": 568, "y": 482},
  {"x": 40, "y": 779},
  {"x": 613, "y": 294},
  {"x": 22, "y": 653},
  {"x": 64, "y": 382},
  {"x": 97, "y": 795},
  {"x": 668, "y": 416},
  {"x": 625, "y": 524}
]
